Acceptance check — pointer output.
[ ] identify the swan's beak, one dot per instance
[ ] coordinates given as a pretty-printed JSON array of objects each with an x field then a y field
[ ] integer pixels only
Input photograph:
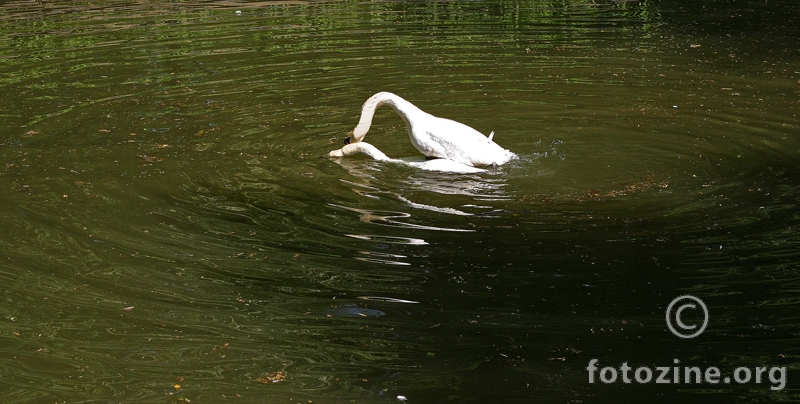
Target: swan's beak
[{"x": 347, "y": 139}]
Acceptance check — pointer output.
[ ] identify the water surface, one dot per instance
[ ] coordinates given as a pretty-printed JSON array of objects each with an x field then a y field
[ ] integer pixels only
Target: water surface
[{"x": 173, "y": 232}]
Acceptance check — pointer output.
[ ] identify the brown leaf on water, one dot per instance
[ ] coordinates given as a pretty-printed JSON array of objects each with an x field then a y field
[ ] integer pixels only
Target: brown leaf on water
[{"x": 274, "y": 377}]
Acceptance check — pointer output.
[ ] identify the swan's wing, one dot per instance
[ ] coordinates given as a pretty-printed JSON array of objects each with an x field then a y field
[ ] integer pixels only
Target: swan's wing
[
  {"x": 459, "y": 142},
  {"x": 463, "y": 144}
]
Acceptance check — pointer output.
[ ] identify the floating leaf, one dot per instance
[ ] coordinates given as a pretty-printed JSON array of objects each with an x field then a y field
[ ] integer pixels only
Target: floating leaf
[{"x": 274, "y": 377}]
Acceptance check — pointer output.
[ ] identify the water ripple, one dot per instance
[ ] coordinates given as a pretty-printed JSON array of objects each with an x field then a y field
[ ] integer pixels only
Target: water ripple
[{"x": 172, "y": 229}]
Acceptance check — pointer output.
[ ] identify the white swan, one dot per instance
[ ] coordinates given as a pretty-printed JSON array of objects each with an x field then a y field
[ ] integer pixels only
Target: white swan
[
  {"x": 433, "y": 136},
  {"x": 443, "y": 165}
]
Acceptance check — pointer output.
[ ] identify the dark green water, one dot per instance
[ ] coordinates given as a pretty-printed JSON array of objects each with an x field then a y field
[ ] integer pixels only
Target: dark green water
[{"x": 172, "y": 232}]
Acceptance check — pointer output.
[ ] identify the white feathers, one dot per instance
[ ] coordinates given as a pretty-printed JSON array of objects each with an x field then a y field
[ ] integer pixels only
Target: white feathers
[
  {"x": 433, "y": 136},
  {"x": 441, "y": 165}
]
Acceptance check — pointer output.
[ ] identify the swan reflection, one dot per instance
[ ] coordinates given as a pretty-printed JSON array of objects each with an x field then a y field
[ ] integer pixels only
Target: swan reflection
[
  {"x": 389, "y": 218},
  {"x": 485, "y": 186},
  {"x": 388, "y": 239},
  {"x": 382, "y": 258}
]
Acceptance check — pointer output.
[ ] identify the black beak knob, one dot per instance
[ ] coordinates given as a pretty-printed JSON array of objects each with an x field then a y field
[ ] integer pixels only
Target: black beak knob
[{"x": 347, "y": 140}]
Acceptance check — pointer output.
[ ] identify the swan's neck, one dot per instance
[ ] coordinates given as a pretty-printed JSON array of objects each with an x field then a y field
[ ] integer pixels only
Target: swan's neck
[{"x": 403, "y": 108}]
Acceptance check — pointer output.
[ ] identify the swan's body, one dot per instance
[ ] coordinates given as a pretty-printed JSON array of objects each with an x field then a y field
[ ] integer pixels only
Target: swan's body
[
  {"x": 433, "y": 136},
  {"x": 443, "y": 165}
]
